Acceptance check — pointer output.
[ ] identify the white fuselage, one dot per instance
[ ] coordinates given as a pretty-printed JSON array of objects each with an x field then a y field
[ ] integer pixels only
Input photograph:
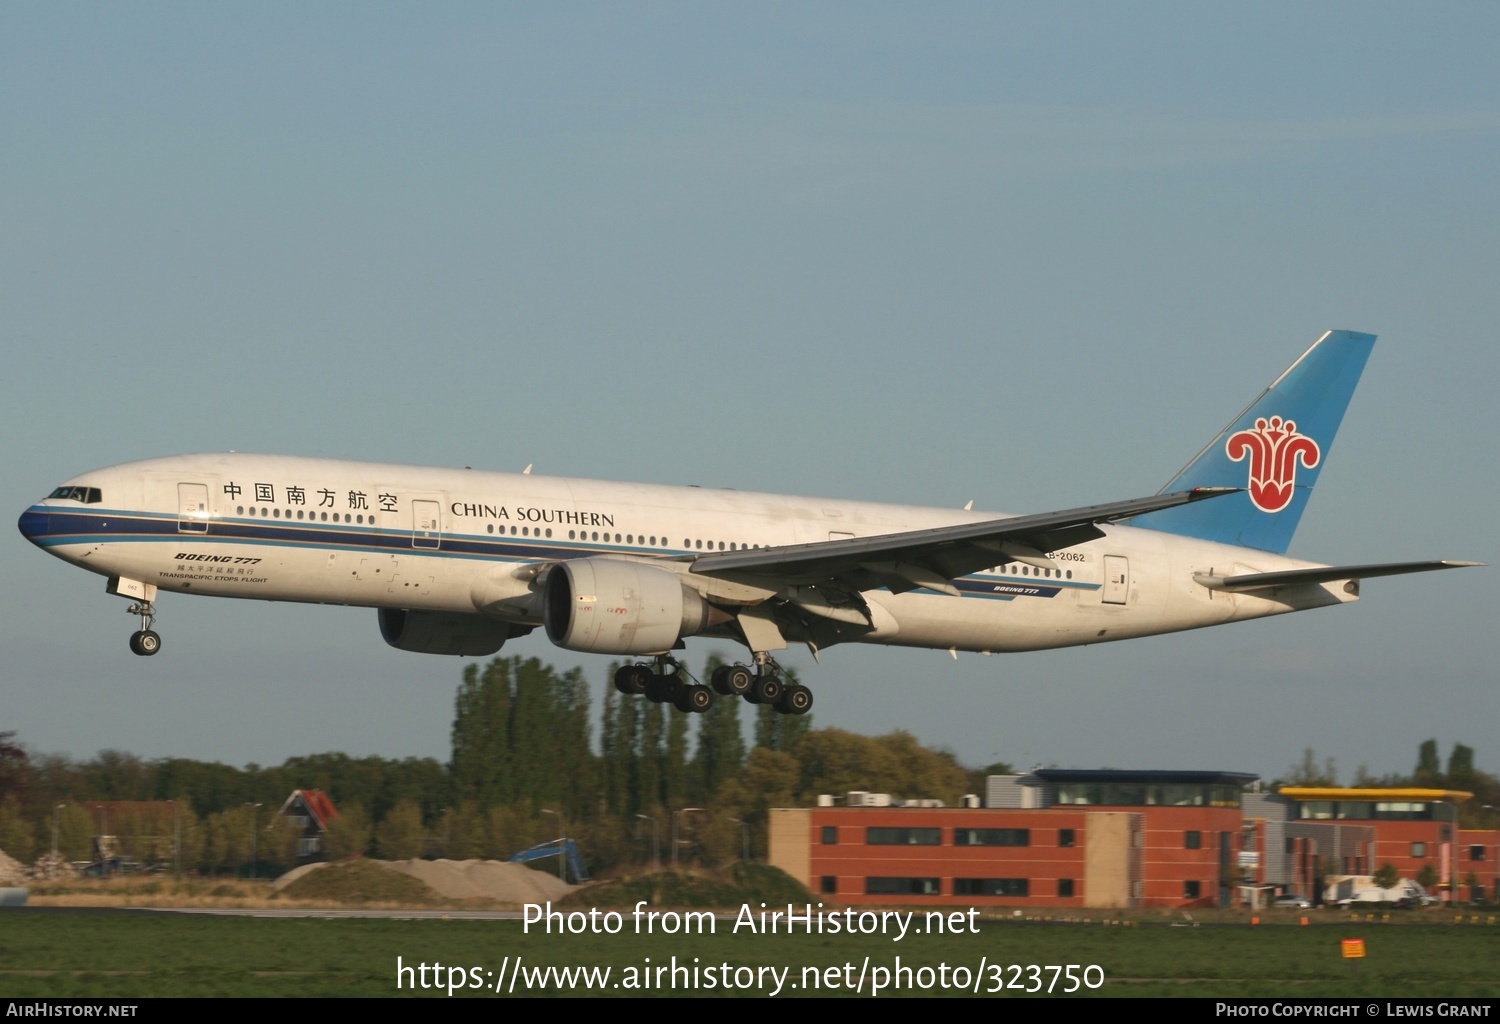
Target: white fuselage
[{"x": 321, "y": 531}]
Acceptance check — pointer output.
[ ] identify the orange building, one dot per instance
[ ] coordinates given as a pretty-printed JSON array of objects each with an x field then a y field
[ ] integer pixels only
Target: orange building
[
  {"x": 1055, "y": 838},
  {"x": 1411, "y": 829}
]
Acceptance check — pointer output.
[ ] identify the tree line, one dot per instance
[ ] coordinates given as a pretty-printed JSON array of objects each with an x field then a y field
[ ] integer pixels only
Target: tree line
[
  {"x": 1430, "y": 772},
  {"x": 524, "y": 768}
]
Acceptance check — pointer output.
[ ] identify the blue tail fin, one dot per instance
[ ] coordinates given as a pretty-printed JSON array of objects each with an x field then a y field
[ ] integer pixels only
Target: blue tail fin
[{"x": 1275, "y": 450}]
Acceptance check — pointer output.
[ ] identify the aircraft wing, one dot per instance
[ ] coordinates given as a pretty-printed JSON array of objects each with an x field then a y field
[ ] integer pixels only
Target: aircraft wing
[
  {"x": 1321, "y": 574},
  {"x": 931, "y": 558}
]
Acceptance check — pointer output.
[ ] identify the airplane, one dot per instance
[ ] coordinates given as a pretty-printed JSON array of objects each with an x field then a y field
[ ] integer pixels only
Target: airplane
[{"x": 459, "y": 561}]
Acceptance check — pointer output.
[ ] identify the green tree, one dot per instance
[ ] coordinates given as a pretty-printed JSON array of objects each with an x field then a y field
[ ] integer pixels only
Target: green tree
[
  {"x": 399, "y": 834},
  {"x": 1387, "y": 877},
  {"x": 521, "y": 731},
  {"x": 720, "y": 749},
  {"x": 462, "y": 831},
  {"x": 674, "y": 762},
  {"x": 513, "y": 827},
  {"x": 1428, "y": 771},
  {"x": 572, "y": 745},
  {"x": 228, "y": 837},
  {"x": 75, "y": 830},
  {"x": 649, "y": 756},
  {"x": 623, "y": 791},
  {"x": 532, "y": 744},
  {"x": 769, "y": 779},
  {"x": 348, "y": 834},
  {"x": 1310, "y": 773},
  {"x": 15, "y": 767},
  {"x": 776, "y": 731},
  {"x": 1427, "y": 876},
  {"x": 279, "y": 844},
  {"x": 1461, "y": 773},
  {"x": 481, "y": 735},
  {"x": 17, "y": 837}
]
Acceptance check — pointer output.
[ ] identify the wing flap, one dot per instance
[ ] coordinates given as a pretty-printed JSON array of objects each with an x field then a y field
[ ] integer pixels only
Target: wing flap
[
  {"x": 1321, "y": 574},
  {"x": 938, "y": 554}
]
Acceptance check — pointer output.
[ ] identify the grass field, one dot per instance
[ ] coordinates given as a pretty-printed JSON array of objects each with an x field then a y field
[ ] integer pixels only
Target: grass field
[{"x": 126, "y": 954}]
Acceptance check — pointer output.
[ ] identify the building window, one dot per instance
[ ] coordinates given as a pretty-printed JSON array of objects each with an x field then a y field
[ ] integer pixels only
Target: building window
[
  {"x": 1476, "y": 853},
  {"x": 830, "y": 835},
  {"x": 1065, "y": 887},
  {"x": 1419, "y": 849},
  {"x": 1192, "y": 890},
  {"x": 992, "y": 837},
  {"x": 991, "y": 887},
  {"x": 1067, "y": 837},
  {"x": 904, "y": 836},
  {"x": 1192, "y": 840},
  {"x": 902, "y": 887},
  {"x": 828, "y": 885}
]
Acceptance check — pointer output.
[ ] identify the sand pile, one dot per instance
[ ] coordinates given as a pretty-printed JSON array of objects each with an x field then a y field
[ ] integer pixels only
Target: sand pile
[
  {"x": 466, "y": 879},
  {"x": 485, "y": 879}
]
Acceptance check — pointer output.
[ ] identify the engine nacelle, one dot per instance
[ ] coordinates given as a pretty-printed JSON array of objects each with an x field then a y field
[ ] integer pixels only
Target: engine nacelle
[
  {"x": 422, "y": 632},
  {"x": 613, "y": 606}
]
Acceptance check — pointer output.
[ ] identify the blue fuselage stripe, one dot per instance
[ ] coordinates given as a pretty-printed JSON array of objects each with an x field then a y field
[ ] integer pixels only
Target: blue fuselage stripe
[{"x": 49, "y": 526}]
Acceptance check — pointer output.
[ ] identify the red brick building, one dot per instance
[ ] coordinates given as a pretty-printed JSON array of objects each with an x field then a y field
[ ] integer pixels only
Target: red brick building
[
  {"x": 1409, "y": 828},
  {"x": 1056, "y": 838}
]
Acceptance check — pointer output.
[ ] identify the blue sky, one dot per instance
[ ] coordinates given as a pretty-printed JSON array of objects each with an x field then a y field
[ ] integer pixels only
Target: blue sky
[{"x": 1033, "y": 255}]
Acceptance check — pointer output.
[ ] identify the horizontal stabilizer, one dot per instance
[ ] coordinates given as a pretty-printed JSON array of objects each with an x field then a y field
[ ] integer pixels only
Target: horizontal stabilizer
[{"x": 1320, "y": 574}]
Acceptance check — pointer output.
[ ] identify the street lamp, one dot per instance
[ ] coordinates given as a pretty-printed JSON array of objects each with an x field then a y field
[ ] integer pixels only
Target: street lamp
[
  {"x": 655, "y": 845},
  {"x": 254, "y": 838},
  {"x": 745, "y": 837},
  {"x": 176, "y": 839},
  {"x": 675, "y": 816}
]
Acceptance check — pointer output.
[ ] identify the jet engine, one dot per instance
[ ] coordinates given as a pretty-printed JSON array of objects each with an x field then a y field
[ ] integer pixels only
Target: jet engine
[
  {"x": 422, "y": 632},
  {"x": 613, "y": 606}
]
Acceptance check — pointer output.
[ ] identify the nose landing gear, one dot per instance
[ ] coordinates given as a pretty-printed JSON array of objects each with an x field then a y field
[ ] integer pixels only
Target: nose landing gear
[{"x": 144, "y": 641}]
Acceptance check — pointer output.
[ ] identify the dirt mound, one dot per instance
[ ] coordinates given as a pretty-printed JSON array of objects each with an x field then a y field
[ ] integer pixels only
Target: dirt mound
[
  {"x": 356, "y": 881},
  {"x": 485, "y": 879},
  {"x": 741, "y": 883},
  {"x": 448, "y": 879}
]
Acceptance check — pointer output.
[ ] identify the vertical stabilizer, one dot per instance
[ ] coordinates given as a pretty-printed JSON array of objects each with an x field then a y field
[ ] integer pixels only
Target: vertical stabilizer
[{"x": 1274, "y": 450}]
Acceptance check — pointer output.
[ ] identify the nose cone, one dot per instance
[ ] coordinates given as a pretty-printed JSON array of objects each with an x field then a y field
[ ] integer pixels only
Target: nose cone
[{"x": 35, "y": 524}]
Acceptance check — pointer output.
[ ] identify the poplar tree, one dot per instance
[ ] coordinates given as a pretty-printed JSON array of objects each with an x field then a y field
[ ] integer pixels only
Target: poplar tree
[
  {"x": 674, "y": 762},
  {"x": 721, "y": 748},
  {"x": 481, "y": 735},
  {"x": 649, "y": 756}
]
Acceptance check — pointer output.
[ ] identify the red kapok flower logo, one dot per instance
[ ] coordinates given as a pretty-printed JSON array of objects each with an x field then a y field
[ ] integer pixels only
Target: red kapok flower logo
[{"x": 1274, "y": 448}]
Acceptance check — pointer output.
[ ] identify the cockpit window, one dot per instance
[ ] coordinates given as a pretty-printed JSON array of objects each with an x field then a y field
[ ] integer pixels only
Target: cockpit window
[{"x": 87, "y": 495}]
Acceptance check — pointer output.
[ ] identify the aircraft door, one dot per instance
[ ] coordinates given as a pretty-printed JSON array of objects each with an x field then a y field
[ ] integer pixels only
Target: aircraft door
[
  {"x": 192, "y": 508},
  {"x": 1116, "y": 579},
  {"x": 426, "y": 531}
]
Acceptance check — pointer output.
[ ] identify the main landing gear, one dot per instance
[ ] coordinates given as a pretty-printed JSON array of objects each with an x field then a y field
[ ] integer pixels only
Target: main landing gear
[
  {"x": 144, "y": 641},
  {"x": 665, "y": 681},
  {"x": 763, "y": 685}
]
